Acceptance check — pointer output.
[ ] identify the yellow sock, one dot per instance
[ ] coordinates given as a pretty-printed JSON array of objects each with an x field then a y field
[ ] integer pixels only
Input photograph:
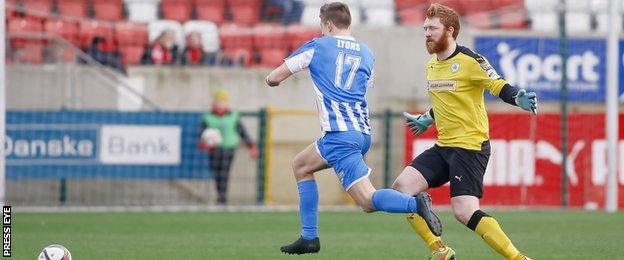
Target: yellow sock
[
  {"x": 420, "y": 226},
  {"x": 489, "y": 229}
]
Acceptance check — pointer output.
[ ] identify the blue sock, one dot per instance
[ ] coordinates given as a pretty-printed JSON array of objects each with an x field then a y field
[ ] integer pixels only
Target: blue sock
[
  {"x": 393, "y": 201},
  {"x": 308, "y": 208}
]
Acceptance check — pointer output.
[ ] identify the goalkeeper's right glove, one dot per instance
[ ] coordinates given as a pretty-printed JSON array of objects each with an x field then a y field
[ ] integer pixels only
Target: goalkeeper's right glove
[{"x": 418, "y": 124}]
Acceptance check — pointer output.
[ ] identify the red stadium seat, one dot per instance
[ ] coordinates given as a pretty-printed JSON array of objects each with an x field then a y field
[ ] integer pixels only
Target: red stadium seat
[
  {"x": 131, "y": 34},
  {"x": 412, "y": 16},
  {"x": 11, "y": 8},
  {"x": 91, "y": 28},
  {"x": 131, "y": 55},
  {"x": 23, "y": 25},
  {"x": 64, "y": 29},
  {"x": 245, "y": 11},
  {"x": 242, "y": 56},
  {"x": 40, "y": 7},
  {"x": 272, "y": 57},
  {"x": 74, "y": 8},
  {"x": 268, "y": 36},
  {"x": 507, "y": 3},
  {"x": 512, "y": 18},
  {"x": 481, "y": 20},
  {"x": 297, "y": 35},
  {"x": 403, "y": 4},
  {"x": 31, "y": 53},
  {"x": 211, "y": 10},
  {"x": 177, "y": 10},
  {"x": 472, "y": 6},
  {"x": 111, "y": 10},
  {"x": 235, "y": 36}
]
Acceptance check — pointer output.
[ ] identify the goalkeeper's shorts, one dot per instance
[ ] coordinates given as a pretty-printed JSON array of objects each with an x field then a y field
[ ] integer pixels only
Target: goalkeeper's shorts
[
  {"x": 344, "y": 151},
  {"x": 463, "y": 168}
]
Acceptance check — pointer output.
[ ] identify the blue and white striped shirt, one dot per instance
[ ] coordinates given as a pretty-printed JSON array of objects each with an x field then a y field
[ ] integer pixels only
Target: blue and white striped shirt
[{"x": 341, "y": 70}]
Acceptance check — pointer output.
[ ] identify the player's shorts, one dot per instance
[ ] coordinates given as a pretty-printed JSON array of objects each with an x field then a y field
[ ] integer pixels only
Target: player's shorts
[
  {"x": 463, "y": 168},
  {"x": 344, "y": 151}
]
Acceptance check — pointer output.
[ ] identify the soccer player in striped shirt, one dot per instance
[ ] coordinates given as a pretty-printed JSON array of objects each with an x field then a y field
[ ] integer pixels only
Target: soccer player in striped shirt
[
  {"x": 456, "y": 80},
  {"x": 342, "y": 71}
]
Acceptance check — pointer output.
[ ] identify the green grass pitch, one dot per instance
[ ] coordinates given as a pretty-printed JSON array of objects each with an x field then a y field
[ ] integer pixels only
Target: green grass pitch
[{"x": 344, "y": 235}]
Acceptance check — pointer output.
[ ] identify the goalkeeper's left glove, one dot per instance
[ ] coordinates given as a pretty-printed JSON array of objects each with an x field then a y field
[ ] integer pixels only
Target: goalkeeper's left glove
[
  {"x": 418, "y": 124},
  {"x": 527, "y": 101}
]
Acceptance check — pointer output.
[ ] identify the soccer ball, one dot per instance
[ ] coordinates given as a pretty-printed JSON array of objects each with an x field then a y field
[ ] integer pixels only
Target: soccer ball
[
  {"x": 55, "y": 252},
  {"x": 211, "y": 137}
]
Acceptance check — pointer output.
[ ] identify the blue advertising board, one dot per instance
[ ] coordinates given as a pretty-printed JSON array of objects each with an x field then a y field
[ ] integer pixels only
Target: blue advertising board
[
  {"x": 534, "y": 63},
  {"x": 101, "y": 144}
]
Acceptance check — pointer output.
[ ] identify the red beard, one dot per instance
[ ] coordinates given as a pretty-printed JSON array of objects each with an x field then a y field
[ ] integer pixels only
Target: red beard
[{"x": 434, "y": 46}]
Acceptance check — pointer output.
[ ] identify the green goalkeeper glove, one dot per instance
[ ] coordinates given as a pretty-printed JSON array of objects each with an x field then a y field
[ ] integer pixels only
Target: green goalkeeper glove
[
  {"x": 527, "y": 101},
  {"x": 418, "y": 124}
]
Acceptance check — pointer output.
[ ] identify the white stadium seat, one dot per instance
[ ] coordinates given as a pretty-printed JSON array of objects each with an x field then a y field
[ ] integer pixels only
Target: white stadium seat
[
  {"x": 379, "y": 17},
  {"x": 142, "y": 10}
]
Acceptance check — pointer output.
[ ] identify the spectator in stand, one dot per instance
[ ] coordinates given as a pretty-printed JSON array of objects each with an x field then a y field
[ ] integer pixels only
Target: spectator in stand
[
  {"x": 101, "y": 51},
  {"x": 221, "y": 154},
  {"x": 162, "y": 51},
  {"x": 194, "y": 53},
  {"x": 291, "y": 10}
]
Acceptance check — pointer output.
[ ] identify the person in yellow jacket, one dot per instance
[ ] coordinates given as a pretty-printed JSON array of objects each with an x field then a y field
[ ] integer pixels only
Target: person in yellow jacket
[
  {"x": 228, "y": 124},
  {"x": 456, "y": 80}
]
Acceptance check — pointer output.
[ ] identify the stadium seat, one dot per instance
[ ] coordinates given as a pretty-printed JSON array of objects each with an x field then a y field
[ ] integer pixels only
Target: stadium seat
[
  {"x": 482, "y": 20},
  {"x": 209, "y": 32},
  {"x": 507, "y": 3},
  {"x": 142, "y": 10},
  {"x": 23, "y": 25},
  {"x": 380, "y": 17},
  {"x": 600, "y": 7},
  {"x": 235, "y": 36},
  {"x": 211, "y": 10},
  {"x": 155, "y": 28},
  {"x": 271, "y": 58},
  {"x": 540, "y": 6},
  {"x": 472, "y": 6},
  {"x": 578, "y": 22},
  {"x": 404, "y": 4},
  {"x": 310, "y": 16},
  {"x": 39, "y": 7},
  {"x": 270, "y": 36},
  {"x": 377, "y": 4},
  {"x": 72, "y": 8},
  {"x": 111, "y": 10},
  {"x": 412, "y": 16},
  {"x": 177, "y": 10},
  {"x": 131, "y": 34},
  {"x": 297, "y": 35},
  {"x": 245, "y": 12},
  {"x": 511, "y": 17},
  {"x": 547, "y": 22},
  {"x": 30, "y": 53},
  {"x": 241, "y": 56},
  {"x": 131, "y": 55},
  {"x": 11, "y": 8},
  {"x": 64, "y": 29},
  {"x": 89, "y": 29}
]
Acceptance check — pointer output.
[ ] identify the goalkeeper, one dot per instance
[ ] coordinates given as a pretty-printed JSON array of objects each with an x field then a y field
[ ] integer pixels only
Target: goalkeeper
[{"x": 456, "y": 80}]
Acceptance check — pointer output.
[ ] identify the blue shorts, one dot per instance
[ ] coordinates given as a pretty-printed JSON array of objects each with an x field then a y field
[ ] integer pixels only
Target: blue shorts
[{"x": 344, "y": 151}]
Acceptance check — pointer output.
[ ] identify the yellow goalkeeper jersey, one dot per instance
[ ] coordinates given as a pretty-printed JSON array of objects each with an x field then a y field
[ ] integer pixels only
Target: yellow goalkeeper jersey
[{"x": 456, "y": 87}]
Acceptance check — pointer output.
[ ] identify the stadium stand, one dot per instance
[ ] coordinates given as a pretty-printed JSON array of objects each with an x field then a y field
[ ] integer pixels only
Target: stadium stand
[{"x": 239, "y": 19}]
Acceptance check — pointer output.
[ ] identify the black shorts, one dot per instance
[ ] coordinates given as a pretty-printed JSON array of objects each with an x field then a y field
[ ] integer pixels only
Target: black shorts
[{"x": 464, "y": 168}]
